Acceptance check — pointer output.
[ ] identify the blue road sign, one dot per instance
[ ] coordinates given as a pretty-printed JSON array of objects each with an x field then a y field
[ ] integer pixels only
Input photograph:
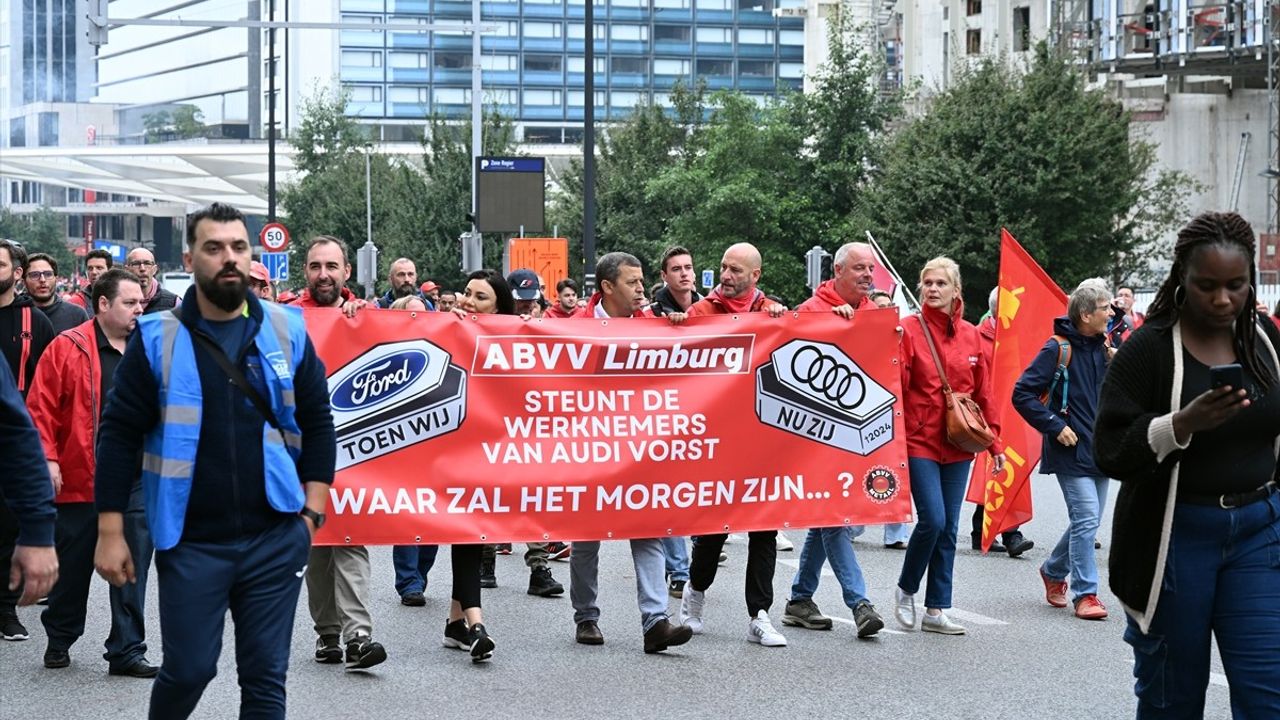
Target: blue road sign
[
  {"x": 277, "y": 265},
  {"x": 118, "y": 252},
  {"x": 708, "y": 279}
]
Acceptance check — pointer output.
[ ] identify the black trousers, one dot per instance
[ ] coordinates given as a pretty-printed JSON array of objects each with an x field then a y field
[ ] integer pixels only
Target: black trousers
[
  {"x": 466, "y": 574},
  {"x": 8, "y": 541},
  {"x": 977, "y": 526},
  {"x": 76, "y": 538},
  {"x": 762, "y": 555}
]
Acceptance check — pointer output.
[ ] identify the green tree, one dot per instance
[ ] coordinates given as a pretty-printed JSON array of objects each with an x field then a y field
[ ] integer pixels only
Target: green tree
[
  {"x": 1036, "y": 152},
  {"x": 419, "y": 203},
  {"x": 188, "y": 122},
  {"x": 43, "y": 231}
]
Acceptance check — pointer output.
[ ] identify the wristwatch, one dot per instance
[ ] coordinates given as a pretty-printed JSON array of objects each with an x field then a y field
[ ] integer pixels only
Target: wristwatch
[{"x": 316, "y": 518}]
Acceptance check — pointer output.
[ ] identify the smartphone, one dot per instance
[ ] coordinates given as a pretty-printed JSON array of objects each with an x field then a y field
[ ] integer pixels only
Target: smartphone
[{"x": 1223, "y": 375}]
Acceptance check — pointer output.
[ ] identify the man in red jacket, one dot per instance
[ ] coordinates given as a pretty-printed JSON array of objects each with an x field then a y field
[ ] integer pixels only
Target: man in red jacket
[
  {"x": 327, "y": 272},
  {"x": 848, "y": 292},
  {"x": 68, "y": 393},
  {"x": 736, "y": 293}
]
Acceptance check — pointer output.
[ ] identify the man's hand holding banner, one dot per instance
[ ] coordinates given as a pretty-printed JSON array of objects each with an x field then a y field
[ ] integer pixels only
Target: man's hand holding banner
[{"x": 497, "y": 429}]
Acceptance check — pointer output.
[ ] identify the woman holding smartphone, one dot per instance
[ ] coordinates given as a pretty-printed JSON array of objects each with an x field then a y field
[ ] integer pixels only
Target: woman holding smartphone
[{"x": 1195, "y": 552}]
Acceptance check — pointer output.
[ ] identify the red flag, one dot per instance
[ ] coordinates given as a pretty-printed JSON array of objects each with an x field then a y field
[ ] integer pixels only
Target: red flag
[
  {"x": 882, "y": 279},
  {"x": 1029, "y": 302}
]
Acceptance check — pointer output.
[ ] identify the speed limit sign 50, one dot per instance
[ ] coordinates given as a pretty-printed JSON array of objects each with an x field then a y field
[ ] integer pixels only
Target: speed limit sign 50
[{"x": 274, "y": 237}]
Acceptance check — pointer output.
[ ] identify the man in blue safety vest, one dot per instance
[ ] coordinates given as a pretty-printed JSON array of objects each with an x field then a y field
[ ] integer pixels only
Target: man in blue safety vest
[{"x": 226, "y": 402}]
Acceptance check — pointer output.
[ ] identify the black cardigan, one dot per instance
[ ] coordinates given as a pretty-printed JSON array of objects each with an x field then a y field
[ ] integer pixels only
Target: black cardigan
[{"x": 1133, "y": 426}]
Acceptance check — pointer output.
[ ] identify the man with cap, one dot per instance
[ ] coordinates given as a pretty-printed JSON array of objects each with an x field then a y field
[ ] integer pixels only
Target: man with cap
[
  {"x": 260, "y": 282},
  {"x": 142, "y": 262},
  {"x": 526, "y": 286},
  {"x": 431, "y": 291},
  {"x": 404, "y": 282}
]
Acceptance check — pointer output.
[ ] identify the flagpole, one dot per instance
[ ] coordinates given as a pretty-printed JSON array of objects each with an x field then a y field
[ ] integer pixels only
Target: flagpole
[{"x": 892, "y": 271}]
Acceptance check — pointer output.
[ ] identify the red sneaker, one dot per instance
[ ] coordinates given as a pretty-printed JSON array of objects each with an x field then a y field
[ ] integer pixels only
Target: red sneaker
[
  {"x": 1090, "y": 607},
  {"x": 1055, "y": 591}
]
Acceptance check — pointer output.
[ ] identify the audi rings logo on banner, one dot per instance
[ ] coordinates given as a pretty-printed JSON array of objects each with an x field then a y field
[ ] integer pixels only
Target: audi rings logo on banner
[
  {"x": 835, "y": 380},
  {"x": 813, "y": 389}
]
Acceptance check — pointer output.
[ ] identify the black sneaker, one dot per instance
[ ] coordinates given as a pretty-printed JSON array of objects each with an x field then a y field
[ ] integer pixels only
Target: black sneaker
[
  {"x": 542, "y": 584},
  {"x": 676, "y": 588},
  {"x": 456, "y": 635},
  {"x": 488, "y": 574},
  {"x": 867, "y": 619},
  {"x": 363, "y": 653},
  {"x": 55, "y": 658},
  {"x": 481, "y": 644},
  {"x": 413, "y": 599},
  {"x": 13, "y": 630},
  {"x": 805, "y": 614},
  {"x": 328, "y": 650},
  {"x": 1015, "y": 544}
]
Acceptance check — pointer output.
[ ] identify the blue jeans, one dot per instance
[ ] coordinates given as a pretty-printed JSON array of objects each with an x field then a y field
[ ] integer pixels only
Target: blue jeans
[
  {"x": 829, "y": 544},
  {"x": 938, "y": 492},
  {"x": 412, "y": 563},
  {"x": 893, "y": 532},
  {"x": 126, "y": 644},
  {"x": 258, "y": 578},
  {"x": 651, "y": 592},
  {"x": 1221, "y": 579},
  {"x": 677, "y": 553},
  {"x": 1086, "y": 497}
]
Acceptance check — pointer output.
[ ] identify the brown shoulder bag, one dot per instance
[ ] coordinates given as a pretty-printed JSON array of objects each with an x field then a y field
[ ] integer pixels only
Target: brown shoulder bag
[{"x": 966, "y": 428}]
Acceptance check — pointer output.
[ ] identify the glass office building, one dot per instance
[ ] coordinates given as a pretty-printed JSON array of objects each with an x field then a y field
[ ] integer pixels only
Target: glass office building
[{"x": 533, "y": 64}]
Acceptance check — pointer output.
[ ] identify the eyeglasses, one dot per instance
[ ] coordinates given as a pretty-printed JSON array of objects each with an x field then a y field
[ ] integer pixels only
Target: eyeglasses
[
  {"x": 140, "y": 263},
  {"x": 40, "y": 275}
]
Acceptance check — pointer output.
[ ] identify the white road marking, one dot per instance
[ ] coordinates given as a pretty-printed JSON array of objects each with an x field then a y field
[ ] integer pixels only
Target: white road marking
[
  {"x": 973, "y": 617},
  {"x": 846, "y": 621}
]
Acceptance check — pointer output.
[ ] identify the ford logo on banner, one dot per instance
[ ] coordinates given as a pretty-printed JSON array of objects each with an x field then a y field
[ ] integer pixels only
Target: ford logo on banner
[{"x": 378, "y": 381}]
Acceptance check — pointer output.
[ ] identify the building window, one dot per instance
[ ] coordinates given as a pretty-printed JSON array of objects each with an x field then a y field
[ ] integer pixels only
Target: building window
[
  {"x": 624, "y": 99},
  {"x": 409, "y": 95},
  {"x": 543, "y": 63},
  {"x": 791, "y": 37},
  {"x": 755, "y": 5},
  {"x": 629, "y": 32},
  {"x": 755, "y": 68},
  {"x": 498, "y": 97},
  {"x": 629, "y": 66},
  {"x": 358, "y": 58},
  {"x": 791, "y": 70},
  {"x": 713, "y": 5},
  {"x": 754, "y": 36},
  {"x": 714, "y": 35},
  {"x": 667, "y": 66},
  {"x": 18, "y": 132},
  {"x": 542, "y": 97},
  {"x": 715, "y": 67},
  {"x": 451, "y": 96},
  {"x": 364, "y": 93},
  {"x": 973, "y": 7},
  {"x": 973, "y": 42},
  {"x": 628, "y": 3},
  {"x": 577, "y": 98},
  {"x": 675, "y": 33},
  {"x": 454, "y": 61},
  {"x": 407, "y": 60},
  {"x": 579, "y": 64},
  {"x": 1021, "y": 29},
  {"x": 500, "y": 63},
  {"x": 578, "y": 31},
  {"x": 676, "y": 4},
  {"x": 543, "y": 30}
]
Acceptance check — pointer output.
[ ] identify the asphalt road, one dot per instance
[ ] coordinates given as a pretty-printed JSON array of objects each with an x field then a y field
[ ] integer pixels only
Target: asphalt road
[{"x": 1021, "y": 658}]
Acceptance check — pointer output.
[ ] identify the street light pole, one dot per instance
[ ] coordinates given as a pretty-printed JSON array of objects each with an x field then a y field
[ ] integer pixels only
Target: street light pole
[
  {"x": 589, "y": 153},
  {"x": 271, "y": 112}
]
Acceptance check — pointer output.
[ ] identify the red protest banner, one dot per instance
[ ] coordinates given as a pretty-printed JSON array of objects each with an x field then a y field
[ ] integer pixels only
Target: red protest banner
[
  {"x": 496, "y": 429},
  {"x": 1029, "y": 301}
]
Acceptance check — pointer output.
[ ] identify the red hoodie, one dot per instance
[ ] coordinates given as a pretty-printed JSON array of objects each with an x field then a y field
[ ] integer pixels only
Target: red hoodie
[
  {"x": 987, "y": 330},
  {"x": 305, "y": 300},
  {"x": 714, "y": 304},
  {"x": 825, "y": 298},
  {"x": 555, "y": 311},
  {"x": 924, "y": 411},
  {"x": 64, "y": 403}
]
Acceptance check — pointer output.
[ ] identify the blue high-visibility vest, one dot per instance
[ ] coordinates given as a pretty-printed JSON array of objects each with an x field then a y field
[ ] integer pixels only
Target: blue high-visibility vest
[{"x": 169, "y": 450}]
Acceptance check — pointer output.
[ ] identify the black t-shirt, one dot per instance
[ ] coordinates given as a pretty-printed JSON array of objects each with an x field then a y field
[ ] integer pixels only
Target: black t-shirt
[
  {"x": 1238, "y": 455},
  {"x": 108, "y": 359}
]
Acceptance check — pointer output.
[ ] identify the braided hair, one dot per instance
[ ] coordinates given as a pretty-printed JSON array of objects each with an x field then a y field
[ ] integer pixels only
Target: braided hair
[{"x": 1223, "y": 230}]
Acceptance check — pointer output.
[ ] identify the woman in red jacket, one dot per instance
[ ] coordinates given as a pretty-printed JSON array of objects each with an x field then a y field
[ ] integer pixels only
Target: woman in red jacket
[{"x": 939, "y": 470}]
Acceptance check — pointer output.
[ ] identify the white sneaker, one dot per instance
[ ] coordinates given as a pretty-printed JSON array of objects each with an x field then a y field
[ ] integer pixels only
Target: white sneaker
[
  {"x": 940, "y": 623},
  {"x": 691, "y": 608},
  {"x": 904, "y": 608},
  {"x": 784, "y": 544},
  {"x": 761, "y": 631}
]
